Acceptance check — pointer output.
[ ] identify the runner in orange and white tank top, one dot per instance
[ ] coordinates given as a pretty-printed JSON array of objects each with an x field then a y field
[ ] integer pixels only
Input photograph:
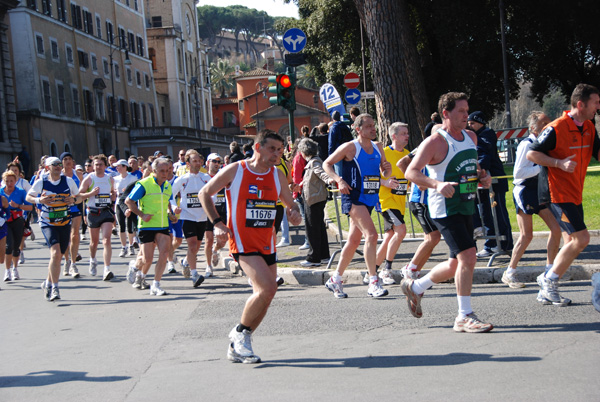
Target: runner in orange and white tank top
[{"x": 252, "y": 189}]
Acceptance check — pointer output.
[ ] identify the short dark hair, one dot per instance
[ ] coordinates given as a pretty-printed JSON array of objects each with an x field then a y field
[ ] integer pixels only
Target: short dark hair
[
  {"x": 448, "y": 101},
  {"x": 354, "y": 111},
  {"x": 101, "y": 157},
  {"x": 264, "y": 134},
  {"x": 583, "y": 92}
]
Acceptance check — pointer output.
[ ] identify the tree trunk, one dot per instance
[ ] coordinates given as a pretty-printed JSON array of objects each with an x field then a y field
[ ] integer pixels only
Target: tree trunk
[{"x": 397, "y": 79}]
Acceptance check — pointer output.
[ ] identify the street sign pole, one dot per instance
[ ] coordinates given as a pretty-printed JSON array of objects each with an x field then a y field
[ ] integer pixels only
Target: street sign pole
[{"x": 292, "y": 72}]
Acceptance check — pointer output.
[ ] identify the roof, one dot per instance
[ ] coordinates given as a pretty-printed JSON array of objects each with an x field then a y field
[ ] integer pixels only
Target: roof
[
  {"x": 257, "y": 72},
  {"x": 251, "y": 124},
  {"x": 297, "y": 104}
]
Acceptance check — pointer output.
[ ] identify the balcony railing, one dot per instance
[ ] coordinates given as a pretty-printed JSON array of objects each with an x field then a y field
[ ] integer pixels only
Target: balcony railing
[{"x": 181, "y": 133}]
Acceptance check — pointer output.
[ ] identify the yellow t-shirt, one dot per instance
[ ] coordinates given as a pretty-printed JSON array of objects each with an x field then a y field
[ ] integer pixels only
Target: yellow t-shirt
[{"x": 394, "y": 198}]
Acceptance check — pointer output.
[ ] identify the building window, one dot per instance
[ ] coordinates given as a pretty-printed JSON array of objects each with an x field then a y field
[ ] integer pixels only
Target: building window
[
  {"x": 61, "y": 10},
  {"x": 62, "y": 102},
  {"x": 140, "y": 46},
  {"x": 147, "y": 80},
  {"x": 69, "y": 55},
  {"x": 109, "y": 32},
  {"x": 241, "y": 105},
  {"x": 129, "y": 76},
  {"x": 88, "y": 22},
  {"x": 135, "y": 5},
  {"x": 138, "y": 79},
  {"x": 131, "y": 38},
  {"x": 47, "y": 7},
  {"x": 88, "y": 101},
  {"x": 105, "y": 67},
  {"x": 94, "y": 63},
  {"x": 39, "y": 45},
  {"x": 76, "y": 108},
  {"x": 156, "y": 22},
  {"x": 47, "y": 95},
  {"x": 162, "y": 114},
  {"x": 76, "y": 20},
  {"x": 100, "y": 104},
  {"x": 83, "y": 58},
  {"x": 152, "y": 55},
  {"x": 183, "y": 105},
  {"x": 124, "y": 112},
  {"x": 53, "y": 149},
  {"x": 135, "y": 116},
  {"x": 122, "y": 37},
  {"x": 112, "y": 110},
  {"x": 54, "y": 50},
  {"x": 143, "y": 107},
  {"x": 152, "y": 118},
  {"x": 98, "y": 26},
  {"x": 32, "y": 4},
  {"x": 180, "y": 61},
  {"x": 117, "y": 71}
]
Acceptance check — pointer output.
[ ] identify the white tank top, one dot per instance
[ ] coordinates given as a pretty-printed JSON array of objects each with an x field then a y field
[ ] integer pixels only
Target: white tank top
[{"x": 102, "y": 199}]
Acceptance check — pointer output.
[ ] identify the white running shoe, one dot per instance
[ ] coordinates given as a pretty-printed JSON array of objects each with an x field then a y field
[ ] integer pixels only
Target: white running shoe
[
  {"x": 240, "y": 348},
  {"x": 283, "y": 243},
  {"x": 131, "y": 272},
  {"x": 66, "y": 267},
  {"x": 185, "y": 266},
  {"x": 7, "y": 276},
  {"x": 216, "y": 259},
  {"x": 22, "y": 256},
  {"x": 130, "y": 251},
  {"x": 15, "y": 274},
  {"x": 376, "y": 290},
  {"x": 74, "y": 271},
  {"x": 387, "y": 277},
  {"x": 305, "y": 246},
  {"x": 337, "y": 288},
  {"x": 171, "y": 267},
  {"x": 367, "y": 278},
  {"x": 197, "y": 279},
  {"x": 123, "y": 252},
  {"x": 107, "y": 275},
  {"x": 208, "y": 272},
  {"x": 155, "y": 290},
  {"x": 93, "y": 270}
]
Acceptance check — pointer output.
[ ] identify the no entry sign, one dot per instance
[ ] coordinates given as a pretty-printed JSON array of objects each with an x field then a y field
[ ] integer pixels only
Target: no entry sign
[{"x": 351, "y": 80}]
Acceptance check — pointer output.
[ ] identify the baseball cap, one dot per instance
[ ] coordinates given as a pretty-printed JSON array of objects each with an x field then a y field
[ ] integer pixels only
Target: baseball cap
[
  {"x": 121, "y": 162},
  {"x": 78, "y": 167},
  {"x": 52, "y": 160},
  {"x": 64, "y": 155},
  {"x": 214, "y": 156},
  {"x": 157, "y": 153},
  {"x": 477, "y": 117}
]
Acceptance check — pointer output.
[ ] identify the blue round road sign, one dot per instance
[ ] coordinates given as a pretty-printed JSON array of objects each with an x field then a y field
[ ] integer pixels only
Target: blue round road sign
[
  {"x": 294, "y": 40},
  {"x": 352, "y": 96}
]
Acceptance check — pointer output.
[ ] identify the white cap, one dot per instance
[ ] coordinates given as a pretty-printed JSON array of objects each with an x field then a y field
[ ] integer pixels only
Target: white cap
[
  {"x": 214, "y": 156},
  {"x": 78, "y": 167},
  {"x": 121, "y": 162},
  {"x": 52, "y": 160}
]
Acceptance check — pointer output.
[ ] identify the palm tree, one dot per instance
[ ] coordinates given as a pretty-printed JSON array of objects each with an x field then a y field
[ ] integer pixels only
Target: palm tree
[
  {"x": 306, "y": 77},
  {"x": 221, "y": 77}
]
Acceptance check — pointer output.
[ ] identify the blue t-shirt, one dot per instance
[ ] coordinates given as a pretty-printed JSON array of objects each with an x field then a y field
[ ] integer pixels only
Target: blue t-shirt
[{"x": 18, "y": 196}]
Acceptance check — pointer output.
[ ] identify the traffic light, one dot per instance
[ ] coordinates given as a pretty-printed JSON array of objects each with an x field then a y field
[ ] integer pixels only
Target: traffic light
[{"x": 285, "y": 85}]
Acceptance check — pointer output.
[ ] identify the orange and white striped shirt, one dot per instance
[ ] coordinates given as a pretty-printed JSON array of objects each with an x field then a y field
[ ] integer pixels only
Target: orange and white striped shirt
[{"x": 251, "y": 199}]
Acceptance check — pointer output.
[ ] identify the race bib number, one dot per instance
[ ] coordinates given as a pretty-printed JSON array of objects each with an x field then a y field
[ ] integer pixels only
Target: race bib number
[
  {"x": 371, "y": 185},
  {"x": 57, "y": 214},
  {"x": 402, "y": 186},
  {"x": 467, "y": 187},
  {"x": 193, "y": 201},
  {"x": 260, "y": 213},
  {"x": 220, "y": 199},
  {"x": 103, "y": 200}
]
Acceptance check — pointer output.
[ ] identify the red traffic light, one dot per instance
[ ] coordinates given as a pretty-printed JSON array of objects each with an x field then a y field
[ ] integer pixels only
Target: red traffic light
[{"x": 284, "y": 80}]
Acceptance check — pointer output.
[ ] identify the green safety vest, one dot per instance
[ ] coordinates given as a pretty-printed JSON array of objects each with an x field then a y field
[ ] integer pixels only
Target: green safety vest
[{"x": 156, "y": 203}]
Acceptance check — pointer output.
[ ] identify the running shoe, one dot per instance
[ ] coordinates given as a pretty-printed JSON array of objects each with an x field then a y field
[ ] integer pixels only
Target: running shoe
[
  {"x": 337, "y": 288},
  {"x": 413, "y": 299},
  {"x": 471, "y": 324},
  {"x": 137, "y": 283},
  {"x": 130, "y": 251},
  {"x": 78, "y": 258},
  {"x": 7, "y": 276},
  {"x": 283, "y": 243},
  {"x": 136, "y": 243},
  {"x": 240, "y": 348},
  {"x": 325, "y": 261},
  {"x": 47, "y": 290},
  {"x": 22, "y": 255},
  {"x": 376, "y": 290},
  {"x": 108, "y": 275},
  {"x": 93, "y": 265},
  {"x": 144, "y": 285},
  {"x": 279, "y": 281},
  {"x": 74, "y": 271},
  {"x": 387, "y": 277},
  {"x": 156, "y": 290},
  {"x": 131, "y": 272},
  {"x": 478, "y": 232},
  {"x": 208, "y": 272},
  {"x": 55, "y": 295},
  {"x": 511, "y": 281},
  {"x": 485, "y": 253},
  {"x": 186, "y": 267},
  {"x": 305, "y": 246},
  {"x": 66, "y": 268},
  {"x": 15, "y": 274},
  {"x": 123, "y": 252},
  {"x": 549, "y": 291},
  {"x": 171, "y": 267},
  {"x": 309, "y": 264},
  {"x": 197, "y": 279},
  {"x": 409, "y": 273},
  {"x": 367, "y": 278},
  {"x": 216, "y": 258}
]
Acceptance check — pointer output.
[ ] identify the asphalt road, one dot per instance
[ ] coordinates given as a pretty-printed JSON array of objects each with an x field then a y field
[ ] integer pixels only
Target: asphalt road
[{"x": 105, "y": 341}]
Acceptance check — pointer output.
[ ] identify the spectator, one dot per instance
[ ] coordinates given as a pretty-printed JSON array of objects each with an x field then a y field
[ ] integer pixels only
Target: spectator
[
  {"x": 236, "y": 154},
  {"x": 435, "y": 119},
  {"x": 338, "y": 135}
]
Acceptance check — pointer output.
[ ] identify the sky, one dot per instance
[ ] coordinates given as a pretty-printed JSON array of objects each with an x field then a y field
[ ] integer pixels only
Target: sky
[{"x": 275, "y": 8}]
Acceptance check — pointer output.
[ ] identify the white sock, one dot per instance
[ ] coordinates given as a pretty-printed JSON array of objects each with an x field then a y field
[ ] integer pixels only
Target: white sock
[
  {"x": 510, "y": 271},
  {"x": 193, "y": 272},
  {"x": 411, "y": 266},
  {"x": 552, "y": 275},
  {"x": 155, "y": 283},
  {"x": 336, "y": 277},
  {"x": 92, "y": 259},
  {"x": 421, "y": 285},
  {"x": 373, "y": 279},
  {"x": 464, "y": 306},
  {"x": 106, "y": 268},
  {"x": 549, "y": 267}
]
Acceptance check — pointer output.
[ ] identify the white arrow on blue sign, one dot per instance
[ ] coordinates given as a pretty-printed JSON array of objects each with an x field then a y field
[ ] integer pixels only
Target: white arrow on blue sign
[
  {"x": 352, "y": 96},
  {"x": 294, "y": 40}
]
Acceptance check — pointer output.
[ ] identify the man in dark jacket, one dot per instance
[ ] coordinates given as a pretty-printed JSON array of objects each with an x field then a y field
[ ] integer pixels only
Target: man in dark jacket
[
  {"x": 489, "y": 160},
  {"x": 236, "y": 153},
  {"x": 339, "y": 133}
]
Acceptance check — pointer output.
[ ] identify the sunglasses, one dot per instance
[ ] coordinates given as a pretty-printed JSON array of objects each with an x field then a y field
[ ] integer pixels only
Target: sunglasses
[
  {"x": 56, "y": 164},
  {"x": 214, "y": 161}
]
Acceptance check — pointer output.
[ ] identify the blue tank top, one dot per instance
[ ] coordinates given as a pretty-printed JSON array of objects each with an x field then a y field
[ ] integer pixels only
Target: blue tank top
[
  {"x": 57, "y": 214},
  {"x": 416, "y": 194},
  {"x": 363, "y": 175}
]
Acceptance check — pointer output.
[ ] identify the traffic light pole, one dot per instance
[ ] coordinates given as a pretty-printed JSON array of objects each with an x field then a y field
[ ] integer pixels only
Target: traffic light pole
[{"x": 291, "y": 112}]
